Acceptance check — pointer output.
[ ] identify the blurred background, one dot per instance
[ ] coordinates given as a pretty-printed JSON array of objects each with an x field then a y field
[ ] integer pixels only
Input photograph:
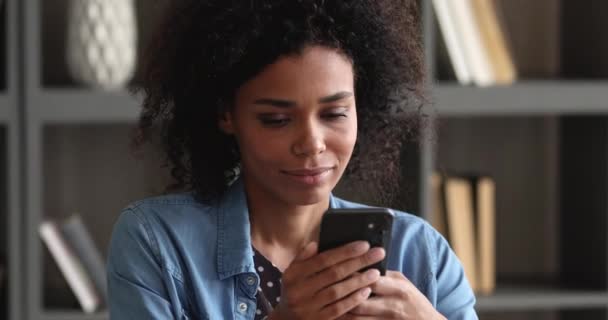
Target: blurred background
[{"x": 515, "y": 152}]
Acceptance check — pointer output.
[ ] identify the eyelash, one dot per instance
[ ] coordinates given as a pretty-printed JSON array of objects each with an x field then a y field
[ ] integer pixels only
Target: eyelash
[{"x": 277, "y": 122}]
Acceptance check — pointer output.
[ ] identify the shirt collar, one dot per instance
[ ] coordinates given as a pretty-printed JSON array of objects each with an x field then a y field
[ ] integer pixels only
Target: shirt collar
[
  {"x": 234, "y": 253},
  {"x": 234, "y": 248}
]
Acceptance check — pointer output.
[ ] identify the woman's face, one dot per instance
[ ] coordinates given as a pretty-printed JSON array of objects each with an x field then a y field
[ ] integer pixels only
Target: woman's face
[{"x": 296, "y": 125}]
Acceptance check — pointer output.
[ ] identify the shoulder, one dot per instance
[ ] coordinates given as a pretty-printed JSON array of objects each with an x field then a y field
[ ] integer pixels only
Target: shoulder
[
  {"x": 165, "y": 228},
  {"x": 169, "y": 218},
  {"x": 164, "y": 220},
  {"x": 175, "y": 201},
  {"x": 172, "y": 210}
]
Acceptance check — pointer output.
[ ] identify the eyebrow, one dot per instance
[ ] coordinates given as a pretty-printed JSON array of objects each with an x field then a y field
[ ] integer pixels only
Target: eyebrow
[{"x": 288, "y": 104}]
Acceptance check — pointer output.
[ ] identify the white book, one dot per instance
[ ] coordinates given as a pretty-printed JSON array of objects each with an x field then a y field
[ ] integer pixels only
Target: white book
[
  {"x": 476, "y": 55},
  {"x": 454, "y": 45},
  {"x": 79, "y": 239},
  {"x": 71, "y": 268}
]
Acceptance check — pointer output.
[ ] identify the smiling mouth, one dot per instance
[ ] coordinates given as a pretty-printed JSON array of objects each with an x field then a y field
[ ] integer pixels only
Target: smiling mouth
[
  {"x": 313, "y": 176},
  {"x": 308, "y": 172}
]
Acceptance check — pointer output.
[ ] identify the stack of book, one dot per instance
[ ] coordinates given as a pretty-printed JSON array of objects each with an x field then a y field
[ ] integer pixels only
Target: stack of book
[
  {"x": 475, "y": 41},
  {"x": 464, "y": 213},
  {"x": 78, "y": 260}
]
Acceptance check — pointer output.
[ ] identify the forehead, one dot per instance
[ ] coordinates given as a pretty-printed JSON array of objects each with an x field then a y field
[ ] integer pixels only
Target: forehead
[{"x": 315, "y": 68}]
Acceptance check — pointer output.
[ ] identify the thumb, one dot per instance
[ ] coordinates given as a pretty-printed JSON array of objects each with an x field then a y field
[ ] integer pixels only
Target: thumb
[{"x": 308, "y": 251}]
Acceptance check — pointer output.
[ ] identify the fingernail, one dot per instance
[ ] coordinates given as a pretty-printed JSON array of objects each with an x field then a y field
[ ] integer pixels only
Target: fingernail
[
  {"x": 361, "y": 247},
  {"x": 376, "y": 253},
  {"x": 372, "y": 274},
  {"x": 366, "y": 292}
]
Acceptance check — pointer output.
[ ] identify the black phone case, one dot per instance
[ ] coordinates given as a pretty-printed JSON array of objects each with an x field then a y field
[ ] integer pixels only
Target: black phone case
[{"x": 341, "y": 226}]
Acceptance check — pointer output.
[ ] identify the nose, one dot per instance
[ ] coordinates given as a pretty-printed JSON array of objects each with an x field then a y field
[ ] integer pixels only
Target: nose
[{"x": 310, "y": 141}]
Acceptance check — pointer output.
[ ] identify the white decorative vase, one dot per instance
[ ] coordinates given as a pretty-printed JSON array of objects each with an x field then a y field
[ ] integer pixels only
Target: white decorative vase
[{"x": 102, "y": 42}]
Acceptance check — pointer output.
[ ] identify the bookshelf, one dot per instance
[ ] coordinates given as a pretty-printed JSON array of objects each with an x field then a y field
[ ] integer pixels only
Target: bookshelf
[
  {"x": 75, "y": 136},
  {"x": 72, "y": 143},
  {"x": 542, "y": 139}
]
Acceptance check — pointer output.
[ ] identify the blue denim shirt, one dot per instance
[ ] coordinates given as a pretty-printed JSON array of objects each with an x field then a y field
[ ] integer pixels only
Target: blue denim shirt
[{"x": 172, "y": 257}]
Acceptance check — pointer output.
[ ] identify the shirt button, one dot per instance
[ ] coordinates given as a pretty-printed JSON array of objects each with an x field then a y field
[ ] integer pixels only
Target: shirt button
[
  {"x": 250, "y": 281},
  {"x": 242, "y": 307}
]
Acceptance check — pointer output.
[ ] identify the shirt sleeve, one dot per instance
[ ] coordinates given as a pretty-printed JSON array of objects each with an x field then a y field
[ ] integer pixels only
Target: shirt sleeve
[
  {"x": 455, "y": 298},
  {"x": 136, "y": 288}
]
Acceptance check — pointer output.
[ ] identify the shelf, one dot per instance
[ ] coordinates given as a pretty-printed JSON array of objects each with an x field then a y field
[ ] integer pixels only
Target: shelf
[
  {"x": 523, "y": 98},
  {"x": 73, "y": 315},
  {"x": 522, "y": 298},
  {"x": 84, "y": 106}
]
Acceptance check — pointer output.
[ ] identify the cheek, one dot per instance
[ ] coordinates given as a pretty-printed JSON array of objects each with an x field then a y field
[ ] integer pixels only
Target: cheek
[
  {"x": 349, "y": 142},
  {"x": 351, "y": 136},
  {"x": 261, "y": 149},
  {"x": 343, "y": 142}
]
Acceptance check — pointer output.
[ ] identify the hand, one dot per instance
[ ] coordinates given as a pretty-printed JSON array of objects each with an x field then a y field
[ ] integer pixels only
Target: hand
[
  {"x": 395, "y": 298},
  {"x": 327, "y": 285}
]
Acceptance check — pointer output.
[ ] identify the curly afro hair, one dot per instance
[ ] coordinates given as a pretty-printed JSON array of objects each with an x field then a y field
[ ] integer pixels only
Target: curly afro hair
[{"x": 204, "y": 50}]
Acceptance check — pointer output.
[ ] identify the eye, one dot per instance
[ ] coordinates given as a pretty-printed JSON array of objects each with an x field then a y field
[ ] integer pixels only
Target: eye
[
  {"x": 335, "y": 114},
  {"x": 273, "y": 120}
]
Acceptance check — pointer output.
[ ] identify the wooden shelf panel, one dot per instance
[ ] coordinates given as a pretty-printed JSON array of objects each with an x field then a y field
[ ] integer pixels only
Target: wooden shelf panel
[
  {"x": 539, "y": 298},
  {"x": 83, "y": 106},
  {"x": 523, "y": 98},
  {"x": 72, "y": 315},
  {"x": 504, "y": 299}
]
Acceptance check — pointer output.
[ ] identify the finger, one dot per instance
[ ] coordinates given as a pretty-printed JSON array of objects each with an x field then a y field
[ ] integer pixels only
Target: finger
[
  {"x": 341, "y": 289},
  {"x": 347, "y": 268},
  {"x": 340, "y": 308},
  {"x": 391, "y": 286},
  {"x": 373, "y": 307},
  {"x": 395, "y": 274},
  {"x": 331, "y": 257}
]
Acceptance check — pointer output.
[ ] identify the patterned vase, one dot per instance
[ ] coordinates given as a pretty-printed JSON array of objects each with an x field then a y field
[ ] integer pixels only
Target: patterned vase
[{"x": 101, "y": 44}]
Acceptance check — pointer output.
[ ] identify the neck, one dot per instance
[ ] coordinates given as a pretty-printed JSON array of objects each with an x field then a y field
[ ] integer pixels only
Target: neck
[{"x": 280, "y": 230}]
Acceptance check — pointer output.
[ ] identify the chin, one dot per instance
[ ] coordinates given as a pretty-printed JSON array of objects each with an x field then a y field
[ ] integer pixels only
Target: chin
[{"x": 307, "y": 197}]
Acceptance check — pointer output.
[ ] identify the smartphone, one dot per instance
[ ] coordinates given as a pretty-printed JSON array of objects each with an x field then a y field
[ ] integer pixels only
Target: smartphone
[{"x": 341, "y": 226}]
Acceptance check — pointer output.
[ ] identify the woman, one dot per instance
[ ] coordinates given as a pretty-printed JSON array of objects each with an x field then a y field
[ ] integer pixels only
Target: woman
[{"x": 259, "y": 105}]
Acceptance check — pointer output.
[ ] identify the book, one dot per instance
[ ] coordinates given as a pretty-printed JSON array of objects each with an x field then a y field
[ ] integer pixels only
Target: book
[
  {"x": 475, "y": 55},
  {"x": 438, "y": 219},
  {"x": 70, "y": 266},
  {"x": 452, "y": 41},
  {"x": 494, "y": 41},
  {"x": 459, "y": 214},
  {"x": 484, "y": 218},
  {"x": 464, "y": 213},
  {"x": 77, "y": 236}
]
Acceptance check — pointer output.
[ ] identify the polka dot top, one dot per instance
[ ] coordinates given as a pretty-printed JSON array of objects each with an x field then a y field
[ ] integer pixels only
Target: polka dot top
[{"x": 270, "y": 285}]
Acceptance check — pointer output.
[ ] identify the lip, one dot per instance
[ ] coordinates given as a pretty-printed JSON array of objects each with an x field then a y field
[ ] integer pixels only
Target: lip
[
  {"x": 309, "y": 176},
  {"x": 308, "y": 171}
]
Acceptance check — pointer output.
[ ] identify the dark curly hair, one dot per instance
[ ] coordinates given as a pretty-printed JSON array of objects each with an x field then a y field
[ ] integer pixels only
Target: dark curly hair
[{"x": 204, "y": 50}]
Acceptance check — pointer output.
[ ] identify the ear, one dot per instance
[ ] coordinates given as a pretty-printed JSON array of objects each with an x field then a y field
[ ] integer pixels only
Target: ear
[{"x": 225, "y": 122}]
